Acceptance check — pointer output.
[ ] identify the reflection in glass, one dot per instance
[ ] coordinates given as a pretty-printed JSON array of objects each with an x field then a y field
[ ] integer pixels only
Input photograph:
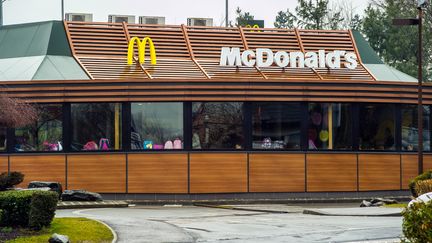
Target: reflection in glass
[
  {"x": 157, "y": 126},
  {"x": 45, "y": 134},
  {"x": 217, "y": 125},
  {"x": 3, "y": 138},
  {"x": 276, "y": 125},
  {"x": 410, "y": 127},
  {"x": 377, "y": 127},
  {"x": 330, "y": 126},
  {"x": 96, "y": 126}
]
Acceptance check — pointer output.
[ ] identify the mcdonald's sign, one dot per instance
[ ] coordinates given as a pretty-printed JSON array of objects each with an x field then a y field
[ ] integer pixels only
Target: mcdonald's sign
[
  {"x": 255, "y": 26},
  {"x": 141, "y": 50}
]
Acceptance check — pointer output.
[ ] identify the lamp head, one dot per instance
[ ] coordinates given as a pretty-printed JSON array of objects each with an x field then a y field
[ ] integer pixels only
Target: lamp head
[{"x": 422, "y": 3}]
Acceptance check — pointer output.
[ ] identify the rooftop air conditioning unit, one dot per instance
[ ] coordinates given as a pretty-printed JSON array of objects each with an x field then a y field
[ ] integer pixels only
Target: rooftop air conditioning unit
[
  {"x": 200, "y": 22},
  {"x": 82, "y": 17},
  {"x": 130, "y": 19},
  {"x": 152, "y": 20}
]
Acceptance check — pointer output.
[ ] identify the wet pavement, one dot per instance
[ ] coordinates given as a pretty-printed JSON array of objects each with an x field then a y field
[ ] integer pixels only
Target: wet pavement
[{"x": 203, "y": 224}]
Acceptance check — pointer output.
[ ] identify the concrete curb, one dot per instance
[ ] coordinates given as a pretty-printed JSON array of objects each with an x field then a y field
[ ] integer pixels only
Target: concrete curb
[
  {"x": 323, "y": 213},
  {"x": 81, "y": 214},
  {"x": 115, "y": 238},
  {"x": 292, "y": 201},
  {"x": 101, "y": 204}
]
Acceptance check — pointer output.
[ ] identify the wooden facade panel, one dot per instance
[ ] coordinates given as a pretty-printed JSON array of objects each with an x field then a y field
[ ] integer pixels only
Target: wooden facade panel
[
  {"x": 218, "y": 172},
  {"x": 409, "y": 168},
  {"x": 214, "y": 89},
  {"x": 39, "y": 168},
  {"x": 99, "y": 173},
  {"x": 157, "y": 173},
  {"x": 379, "y": 172},
  {"x": 331, "y": 172},
  {"x": 427, "y": 162},
  {"x": 3, "y": 164},
  {"x": 277, "y": 172}
]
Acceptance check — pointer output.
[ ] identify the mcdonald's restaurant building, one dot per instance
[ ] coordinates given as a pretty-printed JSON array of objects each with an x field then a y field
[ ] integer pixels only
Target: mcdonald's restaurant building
[{"x": 183, "y": 112}]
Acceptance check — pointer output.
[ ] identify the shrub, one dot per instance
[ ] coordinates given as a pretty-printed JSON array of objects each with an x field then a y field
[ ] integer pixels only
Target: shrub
[
  {"x": 42, "y": 209},
  {"x": 412, "y": 185},
  {"x": 34, "y": 209},
  {"x": 8, "y": 180},
  {"x": 16, "y": 207},
  {"x": 417, "y": 222},
  {"x": 422, "y": 187}
]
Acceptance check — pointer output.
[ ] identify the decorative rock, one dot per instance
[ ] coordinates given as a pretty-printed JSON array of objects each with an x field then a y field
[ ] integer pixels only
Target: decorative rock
[
  {"x": 80, "y": 195},
  {"x": 377, "y": 202},
  {"x": 54, "y": 186},
  {"x": 365, "y": 204},
  {"x": 56, "y": 238}
]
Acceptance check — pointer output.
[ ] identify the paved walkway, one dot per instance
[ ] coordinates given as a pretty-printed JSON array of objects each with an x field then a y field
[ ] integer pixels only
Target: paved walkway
[{"x": 203, "y": 224}]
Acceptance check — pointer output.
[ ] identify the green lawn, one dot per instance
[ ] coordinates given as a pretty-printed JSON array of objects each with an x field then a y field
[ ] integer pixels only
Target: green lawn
[
  {"x": 396, "y": 205},
  {"x": 77, "y": 229}
]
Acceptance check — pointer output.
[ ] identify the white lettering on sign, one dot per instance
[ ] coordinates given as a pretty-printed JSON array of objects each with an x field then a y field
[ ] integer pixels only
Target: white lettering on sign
[{"x": 263, "y": 57}]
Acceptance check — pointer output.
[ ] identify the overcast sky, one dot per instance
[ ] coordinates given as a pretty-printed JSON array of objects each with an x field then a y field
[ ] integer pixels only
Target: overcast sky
[{"x": 175, "y": 11}]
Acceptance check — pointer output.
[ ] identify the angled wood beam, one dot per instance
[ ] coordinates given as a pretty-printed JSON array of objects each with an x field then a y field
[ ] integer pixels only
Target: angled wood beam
[
  {"x": 358, "y": 55},
  {"x": 73, "y": 50},
  {"x": 190, "y": 50},
  {"x": 299, "y": 40},
  {"x": 126, "y": 31},
  {"x": 246, "y": 47}
]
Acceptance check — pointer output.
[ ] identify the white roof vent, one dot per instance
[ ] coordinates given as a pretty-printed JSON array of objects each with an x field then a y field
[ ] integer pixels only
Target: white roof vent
[
  {"x": 130, "y": 19},
  {"x": 200, "y": 22},
  {"x": 82, "y": 17},
  {"x": 152, "y": 20}
]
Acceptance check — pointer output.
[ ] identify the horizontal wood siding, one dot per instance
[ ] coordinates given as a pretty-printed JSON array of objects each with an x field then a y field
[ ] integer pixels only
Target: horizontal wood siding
[
  {"x": 3, "y": 164},
  {"x": 157, "y": 173},
  {"x": 427, "y": 162},
  {"x": 331, "y": 172},
  {"x": 218, "y": 172},
  {"x": 409, "y": 168},
  {"x": 99, "y": 173},
  {"x": 40, "y": 168},
  {"x": 379, "y": 172},
  {"x": 215, "y": 89},
  {"x": 277, "y": 172}
]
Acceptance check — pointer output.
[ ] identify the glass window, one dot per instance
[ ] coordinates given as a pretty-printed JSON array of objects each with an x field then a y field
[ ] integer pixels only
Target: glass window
[
  {"x": 330, "y": 126},
  {"x": 276, "y": 125},
  {"x": 410, "y": 127},
  {"x": 96, "y": 126},
  {"x": 377, "y": 127},
  {"x": 45, "y": 135},
  {"x": 157, "y": 126},
  {"x": 3, "y": 138},
  {"x": 217, "y": 125}
]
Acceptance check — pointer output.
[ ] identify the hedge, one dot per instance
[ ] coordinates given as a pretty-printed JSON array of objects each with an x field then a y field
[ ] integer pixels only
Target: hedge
[
  {"x": 417, "y": 222},
  {"x": 412, "y": 185},
  {"x": 9, "y": 180},
  {"x": 32, "y": 209}
]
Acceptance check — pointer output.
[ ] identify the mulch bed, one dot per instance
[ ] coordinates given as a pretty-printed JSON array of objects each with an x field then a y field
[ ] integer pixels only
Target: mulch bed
[{"x": 7, "y": 233}]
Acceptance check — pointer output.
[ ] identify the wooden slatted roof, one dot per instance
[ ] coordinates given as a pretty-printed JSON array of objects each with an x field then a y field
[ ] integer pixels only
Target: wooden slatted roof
[{"x": 185, "y": 52}]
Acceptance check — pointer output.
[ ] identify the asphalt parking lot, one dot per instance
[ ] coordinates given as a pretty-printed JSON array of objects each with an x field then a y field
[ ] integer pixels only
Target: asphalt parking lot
[{"x": 176, "y": 223}]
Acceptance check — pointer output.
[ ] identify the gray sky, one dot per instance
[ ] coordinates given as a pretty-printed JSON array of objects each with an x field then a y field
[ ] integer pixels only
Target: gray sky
[{"x": 175, "y": 11}]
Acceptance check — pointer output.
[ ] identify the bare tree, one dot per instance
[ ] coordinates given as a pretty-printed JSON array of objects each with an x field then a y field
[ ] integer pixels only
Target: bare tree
[{"x": 16, "y": 112}]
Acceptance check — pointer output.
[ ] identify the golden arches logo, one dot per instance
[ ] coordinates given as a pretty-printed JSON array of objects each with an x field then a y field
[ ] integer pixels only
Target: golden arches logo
[
  {"x": 255, "y": 26},
  {"x": 141, "y": 50}
]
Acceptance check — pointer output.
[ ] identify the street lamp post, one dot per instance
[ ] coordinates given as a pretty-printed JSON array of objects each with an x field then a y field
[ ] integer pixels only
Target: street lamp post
[
  {"x": 62, "y": 10},
  {"x": 1, "y": 12},
  {"x": 226, "y": 13},
  {"x": 418, "y": 21}
]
